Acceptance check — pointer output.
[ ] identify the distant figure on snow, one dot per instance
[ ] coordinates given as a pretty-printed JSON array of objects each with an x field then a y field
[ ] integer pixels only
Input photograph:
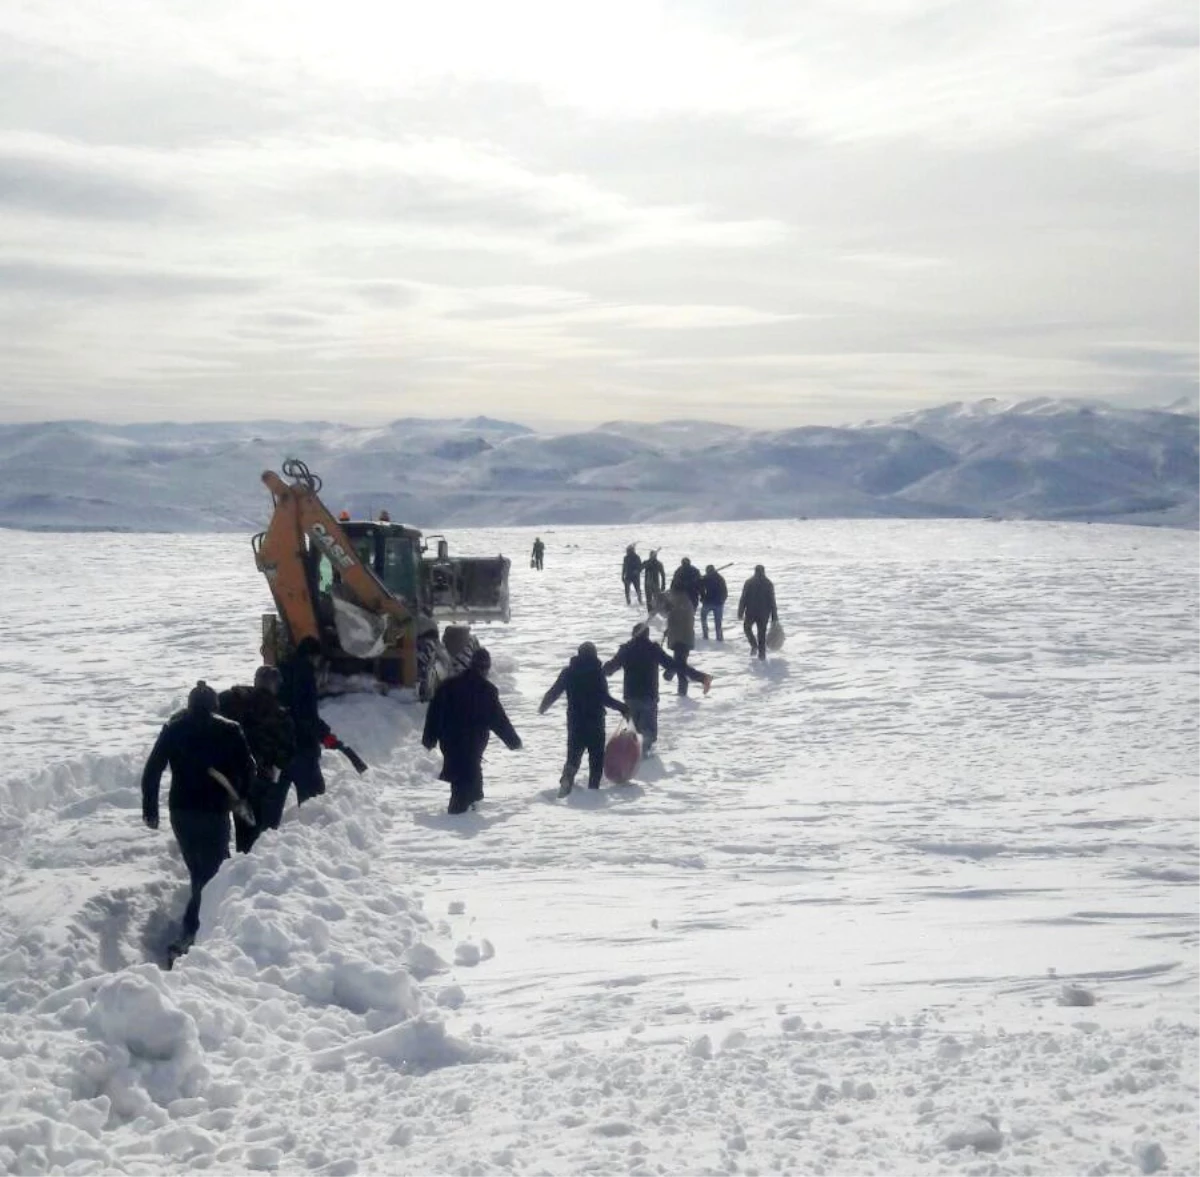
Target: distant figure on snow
[
  {"x": 211, "y": 770},
  {"x": 271, "y": 736},
  {"x": 713, "y": 594},
  {"x": 465, "y": 710},
  {"x": 587, "y": 696},
  {"x": 687, "y": 580},
  {"x": 631, "y": 574},
  {"x": 681, "y": 638},
  {"x": 641, "y": 659},
  {"x": 656, "y": 580},
  {"x": 757, "y": 608},
  {"x": 539, "y": 551}
]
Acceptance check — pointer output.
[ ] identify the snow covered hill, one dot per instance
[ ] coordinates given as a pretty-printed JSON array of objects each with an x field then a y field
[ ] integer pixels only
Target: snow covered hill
[{"x": 1039, "y": 459}]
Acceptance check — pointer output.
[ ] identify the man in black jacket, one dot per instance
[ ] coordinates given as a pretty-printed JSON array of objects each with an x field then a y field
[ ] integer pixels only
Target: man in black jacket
[
  {"x": 538, "y": 555},
  {"x": 272, "y": 738},
  {"x": 687, "y": 580},
  {"x": 757, "y": 607},
  {"x": 463, "y": 713},
  {"x": 713, "y": 594},
  {"x": 211, "y": 770},
  {"x": 631, "y": 574},
  {"x": 641, "y": 659},
  {"x": 656, "y": 580},
  {"x": 587, "y": 696},
  {"x": 298, "y": 693}
]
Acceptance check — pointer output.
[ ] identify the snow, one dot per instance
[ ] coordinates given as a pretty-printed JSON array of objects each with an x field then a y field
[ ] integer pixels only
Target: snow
[
  {"x": 1038, "y": 459},
  {"x": 919, "y": 894}
]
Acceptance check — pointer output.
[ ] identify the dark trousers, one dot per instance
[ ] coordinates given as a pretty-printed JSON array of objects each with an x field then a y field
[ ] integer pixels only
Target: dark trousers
[
  {"x": 759, "y": 643},
  {"x": 203, "y": 839},
  {"x": 718, "y": 613},
  {"x": 644, "y": 713},
  {"x": 637, "y": 588},
  {"x": 683, "y": 671},
  {"x": 591, "y": 740},
  {"x": 465, "y": 791},
  {"x": 537, "y": 561},
  {"x": 305, "y": 773},
  {"x": 267, "y": 800}
]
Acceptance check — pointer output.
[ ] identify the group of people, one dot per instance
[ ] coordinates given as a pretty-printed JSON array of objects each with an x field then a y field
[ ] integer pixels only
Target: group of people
[{"x": 238, "y": 752}]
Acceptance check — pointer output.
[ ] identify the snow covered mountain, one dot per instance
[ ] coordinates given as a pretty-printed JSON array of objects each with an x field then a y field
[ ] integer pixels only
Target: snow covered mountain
[{"x": 1039, "y": 459}]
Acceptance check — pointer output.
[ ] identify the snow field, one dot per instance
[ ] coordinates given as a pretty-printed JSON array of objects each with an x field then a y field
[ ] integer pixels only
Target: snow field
[{"x": 917, "y": 896}]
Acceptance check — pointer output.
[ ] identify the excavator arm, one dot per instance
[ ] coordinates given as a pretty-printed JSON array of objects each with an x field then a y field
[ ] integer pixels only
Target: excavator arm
[{"x": 280, "y": 555}]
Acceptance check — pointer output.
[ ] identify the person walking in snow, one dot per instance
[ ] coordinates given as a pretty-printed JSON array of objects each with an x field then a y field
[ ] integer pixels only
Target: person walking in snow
[
  {"x": 656, "y": 579},
  {"x": 687, "y": 580},
  {"x": 631, "y": 574},
  {"x": 757, "y": 609},
  {"x": 464, "y": 712},
  {"x": 211, "y": 771},
  {"x": 641, "y": 659},
  {"x": 713, "y": 594},
  {"x": 271, "y": 736},
  {"x": 681, "y": 639},
  {"x": 298, "y": 693},
  {"x": 539, "y": 551},
  {"x": 586, "y": 688}
]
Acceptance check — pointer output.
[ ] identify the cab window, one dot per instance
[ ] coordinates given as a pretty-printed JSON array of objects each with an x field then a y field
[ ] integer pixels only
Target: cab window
[{"x": 399, "y": 567}]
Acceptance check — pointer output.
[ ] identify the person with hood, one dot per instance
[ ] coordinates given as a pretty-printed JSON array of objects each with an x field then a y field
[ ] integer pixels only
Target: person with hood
[
  {"x": 687, "y": 580},
  {"x": 271, "y": 736},
  {"x": 298, "y": 693},
  {"x": 681, "y": 639},
  {"x": 713, "y": 594},
  {"x": 656, "y": 579},
  {"x": 757, "y": 609},
  {"x": 539, "y": 551},
  {"x": 641, "y": 659},
  {"x": 586, "y": 688},
  {"x": 464, "y": 712},
  {"x": 631, "y": 574},
  {"x": 211, "y": 770}
]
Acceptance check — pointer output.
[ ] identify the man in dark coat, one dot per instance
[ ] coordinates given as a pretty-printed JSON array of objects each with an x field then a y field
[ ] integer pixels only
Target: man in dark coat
[
  {"x": 687, "y": 580},
  {"x": 298, "y": 693},
  {"x": 757, "y": 608},
  {"x": 463, "y": 713},
  {"x": 631, "y": 574},
  {"x": 271, "y": 735},
  {"x": 656, "y": 580},
  {"x": 713, "y": 594},
  {"x": 587, "y": 696},
  {"x": 211, "y": 770},
  {"x": 539, "y": 552},
  {"x": 641, "y": 659}
]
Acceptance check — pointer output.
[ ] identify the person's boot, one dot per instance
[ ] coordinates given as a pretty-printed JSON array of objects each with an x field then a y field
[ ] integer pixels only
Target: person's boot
[
  {"x": 762, "y": 653},
  {"x": 566, "y": 782}
]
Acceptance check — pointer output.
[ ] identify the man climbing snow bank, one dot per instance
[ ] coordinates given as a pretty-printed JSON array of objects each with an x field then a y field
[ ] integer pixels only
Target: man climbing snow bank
[{"x": 211, "y": 770}]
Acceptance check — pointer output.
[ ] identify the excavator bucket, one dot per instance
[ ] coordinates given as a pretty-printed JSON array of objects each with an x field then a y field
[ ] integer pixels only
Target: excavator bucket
[{"x": 466, "y": 588}]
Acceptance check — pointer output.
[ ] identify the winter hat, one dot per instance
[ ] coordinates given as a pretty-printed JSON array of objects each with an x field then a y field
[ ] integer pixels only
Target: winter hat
[
  {"x": 759, "y": 570},
  {"x": 640, "y": 629},
  {"x": 267, "y": 677},
  {"x": 202, "y": 698},
  {"x": 481, "y": 660},
  {"x": 588, "y": 650},
  {"x": 686, "y": 562},
  {"x": 709, "y": 568}
]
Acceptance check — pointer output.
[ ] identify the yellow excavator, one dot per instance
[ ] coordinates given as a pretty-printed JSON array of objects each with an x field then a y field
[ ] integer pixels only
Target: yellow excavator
[{"x": 369, "y": 591}]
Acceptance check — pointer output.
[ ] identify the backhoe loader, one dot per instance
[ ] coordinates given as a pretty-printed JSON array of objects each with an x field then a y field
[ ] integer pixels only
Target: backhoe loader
[{"x": 369, "y": 592}]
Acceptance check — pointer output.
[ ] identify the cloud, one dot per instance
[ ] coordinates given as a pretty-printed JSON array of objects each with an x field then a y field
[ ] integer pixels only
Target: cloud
[{"x": 638, "y": 206}]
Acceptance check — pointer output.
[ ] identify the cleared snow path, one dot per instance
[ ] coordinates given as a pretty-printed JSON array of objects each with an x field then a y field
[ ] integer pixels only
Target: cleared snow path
[{"x": 919, "y": 895}]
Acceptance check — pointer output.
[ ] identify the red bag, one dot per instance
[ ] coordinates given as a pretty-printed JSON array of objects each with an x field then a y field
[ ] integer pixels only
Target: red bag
[{"x": 621, "y": 756}]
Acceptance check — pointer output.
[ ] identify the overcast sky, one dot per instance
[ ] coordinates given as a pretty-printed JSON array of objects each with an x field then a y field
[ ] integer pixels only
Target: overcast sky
[{"x": 564, "y": 210}]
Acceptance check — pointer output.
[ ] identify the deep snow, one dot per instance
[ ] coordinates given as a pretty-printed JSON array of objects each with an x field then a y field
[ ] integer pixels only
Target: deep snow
[{"x": 919, "y": 895}]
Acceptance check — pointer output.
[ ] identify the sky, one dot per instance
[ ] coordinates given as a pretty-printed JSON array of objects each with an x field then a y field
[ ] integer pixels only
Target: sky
[{"x": 770, "y": 213}]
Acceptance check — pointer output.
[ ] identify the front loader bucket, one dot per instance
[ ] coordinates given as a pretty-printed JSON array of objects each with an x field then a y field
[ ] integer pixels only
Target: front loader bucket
[{"x": 467, "y": 588}]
